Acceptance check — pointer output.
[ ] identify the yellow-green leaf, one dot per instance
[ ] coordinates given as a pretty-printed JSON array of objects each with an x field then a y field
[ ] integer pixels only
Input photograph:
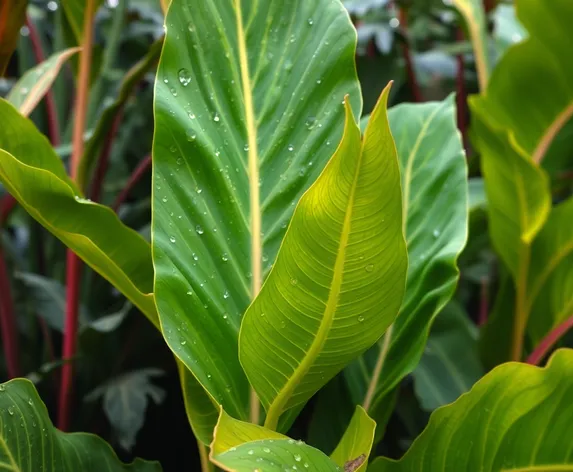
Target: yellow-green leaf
[
  {"x": 354, "y": 447},
  {"x": 339, "y": 278}
]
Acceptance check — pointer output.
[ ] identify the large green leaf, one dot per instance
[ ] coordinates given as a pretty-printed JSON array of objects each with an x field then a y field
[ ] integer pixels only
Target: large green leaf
[
  {"x": 36, "y": 82},
  {"x": 516, "y": 418},
  {"x": 354, "y": 447},
  {"x": 248, "y": 111},
  {"x": 338, "y": 280},
  {"x": 435, "y": 208},
  {"x": 12, "y": 17},
  {"x": 32, "y": 172},
  {"x": 550, "y": 284},
  {"x": 537, "y": 106},
  {"x": 29, "y": 441},
  {"x": 272, "y": 455},
  {"x": 450, "y": 364}
]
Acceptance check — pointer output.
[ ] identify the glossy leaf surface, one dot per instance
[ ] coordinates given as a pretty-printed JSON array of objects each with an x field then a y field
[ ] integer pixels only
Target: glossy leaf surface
[
  {"x": 516, "y": 418},
  {"x": 450, "y": 364},
  {"x": 354, "y": 447},
  {"x": 435, "y": 208},
  {"x": 36, "y": 82},
  {"x": 33, "y": 173},
  {"x": 338, "y": 280},
  {"x": 248, "y": 109},
  {"x": 29, "y": 441},
  {"x": 274, "y": 456}
]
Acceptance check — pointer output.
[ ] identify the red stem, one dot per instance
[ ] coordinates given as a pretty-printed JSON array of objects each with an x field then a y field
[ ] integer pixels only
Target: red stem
[
  {"x": 53, "y": 123},
  {"x": 7, "y": 204},
  {"x": 8, "y": 322},
  {"x": 136, "y": 175},
  {"x": 549, "y": 341},
  {"x": 461, "y": 94},
  {"x": 484, "y": 302},
  {"x": 73, "y": 272},
  {"x": 410, "y": 72},
  {"x": 488, "y": 5},
  {"x": 103, "y": 160}
]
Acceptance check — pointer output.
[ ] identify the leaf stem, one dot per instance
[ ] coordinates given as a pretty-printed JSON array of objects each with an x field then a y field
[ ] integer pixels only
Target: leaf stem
[
  {"x": 484, "y": 301},
  {"x": 410, "y": 71},
  {"x": 8, "y": 322},
  {"x": 549, "y": 341},
  {"x": 134, "y": 178},
  {"x": 53, "y": 122},
  {"x": 461, "y": 94},
  {"x": 206, "y": 465},
  {"x": 73, "y": 263},
  {"x": 521, "y": 309},
  {"x": 384, "y": 348}
]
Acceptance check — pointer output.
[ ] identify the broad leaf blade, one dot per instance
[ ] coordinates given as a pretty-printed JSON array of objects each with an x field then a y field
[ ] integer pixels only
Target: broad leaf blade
[
  {"x": 517, "y": 417},
  {"x": 434, "y": 181},
  {"x": 30, "y": 441},
  {"x": 36, "y": 82},
  {"x": 339, "y": 278},
  {"x": 450, "y": 364},
  {"x": 274, "y": 456},
  {"x": 12, "y": 17},
  {"x": 248, "y": 111},
  {"x": 35, "y": 176},
  {"x": 354, "y": 447}
]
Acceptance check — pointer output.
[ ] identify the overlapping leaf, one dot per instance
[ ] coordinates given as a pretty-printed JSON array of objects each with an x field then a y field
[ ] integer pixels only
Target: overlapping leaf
[
  {"x": 435, "y": 209},
  {"x": 354, "y": 447},
  {"x": 516, "y": 418},
  {"x": 29, "y": 441},
  {"x": 248, "y": 111},
  {"x": 12, "y": 17},
  {"x": 338, "y": 280}
]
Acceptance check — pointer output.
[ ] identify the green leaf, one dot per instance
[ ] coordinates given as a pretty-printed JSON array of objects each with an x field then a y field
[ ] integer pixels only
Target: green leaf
[
  {"x": 338, "y": 280},
  {"x": 12, "y": 17},
  {"x": 36, "y": 82},
  {"x": 477, "y": 198},
  {"x": 30, "y": 442},
  {"x": 35, "y": 176},
  {"x": 75, "y": 11},
  {"x": 433, "y": 169},
  {"x": 476, "y": 22},
  {"x": 354, "y": 447},
  {"x": 231, "y": 433},
  {"x": 273, "y": 455},
  {"x": 450, "y": 364},
  {"x": 125, "y": 400},
  {"x": 247, "y": 112},
  {"x": 516, "y": 418},
  {"x": 550, "y": 284},
  {"x": 535, "y": 108}
]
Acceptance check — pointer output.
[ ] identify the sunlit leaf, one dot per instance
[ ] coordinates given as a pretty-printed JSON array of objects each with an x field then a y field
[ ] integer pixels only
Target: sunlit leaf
[
  {"x": 248, "y": 110},
  {"x": 354, "y": 447},
  {"x": 516, "y": 418}
]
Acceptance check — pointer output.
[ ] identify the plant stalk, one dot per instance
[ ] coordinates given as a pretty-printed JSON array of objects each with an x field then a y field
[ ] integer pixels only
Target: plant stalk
[
  {"x": 206, "y": 464},
  {"x": 549, "y": 341},
  {"x": 521, "y": 308},
  {"x": 8, "y": 322},
  {"x": 369, "y": 397},
  {"x": 73, "y": 263},
  {"x": 53, "y": 122},
  {"x": 410, "y": 71},
  {"x": 484, "y": 301},
  {"x": 134, "y": 178},
  {"x": 461, "y": 94}
]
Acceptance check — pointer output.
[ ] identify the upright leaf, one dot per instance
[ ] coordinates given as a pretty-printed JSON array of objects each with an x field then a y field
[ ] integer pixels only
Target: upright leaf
[
  {"x": 516, "y": 418},
  {"x": 338, "y": 280},
  {"x": 75, "y": 11},
  {"x": 248, "y": 111},
  {"x": 29, "y": 441},
  {"x": 435, "y": 208},
  {"x": 12, "y": 17},
  {"x": 36, "y": 82},
  {"x": 354, "y": 447}
]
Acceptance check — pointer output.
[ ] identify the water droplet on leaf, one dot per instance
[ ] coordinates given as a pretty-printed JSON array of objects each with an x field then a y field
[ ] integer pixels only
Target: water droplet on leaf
[{"x": 184, "y": 77}]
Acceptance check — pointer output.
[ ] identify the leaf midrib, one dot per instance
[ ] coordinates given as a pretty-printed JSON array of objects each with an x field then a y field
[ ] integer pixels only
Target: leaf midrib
[{"x": 277, "y": 406}]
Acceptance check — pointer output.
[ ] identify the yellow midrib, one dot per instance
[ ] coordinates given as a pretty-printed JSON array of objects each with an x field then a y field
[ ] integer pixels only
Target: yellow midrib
[{"x": 280, "y": 401}]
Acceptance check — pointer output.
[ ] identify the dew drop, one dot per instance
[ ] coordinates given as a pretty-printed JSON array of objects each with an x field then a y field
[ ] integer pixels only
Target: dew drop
[
  {"x": 164, "y": 199},
  {"x": 173, "y": 91},
  {"x": 226, "y": 294},
  {"x": 2, "y": 388},
  {"x": 266, "y": 449},
  {"x": 225, "y": 257},
  {"x": 369, "y": 267},
  {"x": 189, "y": 292},
  {"x": 293, "y": 281},
  {"x": 191, "y": 27},
  {"x": 250, "y": 452},
  {"x": 436, "y": 233},
  {"x": 246, "y": 147},
  {"x": 195, "y": 257},
  {"x": 199, "y": 229},
  {"x": 216, "y": 117},
  {"x": 310, "y": 122},
  {"x": 166, "y": 80},
  {"x": 30, "y": 402},
  {"x": 290, "y": 148},
  {"x": 184, "y": 77},
  {"x": 191, "y": 135},
  {"x": 183, "y": 342},
  {"x": 297, "y": 457},
  {"x": 310, "y": 22},
  {"x": 360, "y": 319},
  {"x": 172, "y": 239},
  {"x": 11, "y": 410}
]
